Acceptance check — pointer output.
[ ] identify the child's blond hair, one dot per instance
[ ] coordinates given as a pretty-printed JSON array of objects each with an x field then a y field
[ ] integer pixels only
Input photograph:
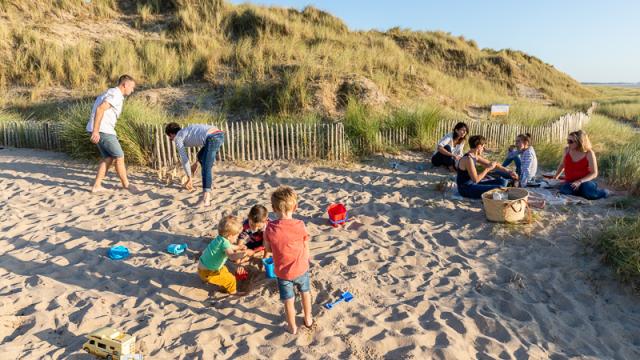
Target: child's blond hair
[
  {"x": 284, "y": 199},
  {"x": 229, "y": 226}
]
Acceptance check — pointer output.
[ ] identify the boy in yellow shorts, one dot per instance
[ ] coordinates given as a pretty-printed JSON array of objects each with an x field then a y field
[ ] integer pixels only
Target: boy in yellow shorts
[{"x": 211, "y": 268}]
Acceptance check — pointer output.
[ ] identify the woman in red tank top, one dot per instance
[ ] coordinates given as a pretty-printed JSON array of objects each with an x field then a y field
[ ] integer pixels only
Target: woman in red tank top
[{"x": 580, "y": 168}]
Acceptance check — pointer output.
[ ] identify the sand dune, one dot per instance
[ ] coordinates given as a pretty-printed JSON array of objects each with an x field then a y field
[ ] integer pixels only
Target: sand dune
[{"x": 432, "y": 278}]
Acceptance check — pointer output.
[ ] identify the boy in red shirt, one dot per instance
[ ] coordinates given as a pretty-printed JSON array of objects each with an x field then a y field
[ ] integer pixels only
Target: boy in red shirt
[{"x": 288, "y": 240}]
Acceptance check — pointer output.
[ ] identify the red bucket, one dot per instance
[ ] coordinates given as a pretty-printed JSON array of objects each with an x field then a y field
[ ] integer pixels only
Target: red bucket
[
  {"x": 241, "y": 277},
  {"x": 337, "y": 214}
]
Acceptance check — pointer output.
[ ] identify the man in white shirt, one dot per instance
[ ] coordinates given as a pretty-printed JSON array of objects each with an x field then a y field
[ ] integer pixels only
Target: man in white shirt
[{"x": 102, "y": 127}]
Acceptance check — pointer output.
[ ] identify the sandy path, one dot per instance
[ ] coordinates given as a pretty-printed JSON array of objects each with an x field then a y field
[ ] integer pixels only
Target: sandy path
[{"x": 432, "y": 278}]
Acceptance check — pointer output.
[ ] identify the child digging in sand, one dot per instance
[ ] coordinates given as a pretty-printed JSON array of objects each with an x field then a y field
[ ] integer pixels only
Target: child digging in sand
[
  {"x": 211, "y": 266},
  {"x": 252, "y": 237},
  {"x": 288, "y": 240},
  {"x": 253, "y": 229}
]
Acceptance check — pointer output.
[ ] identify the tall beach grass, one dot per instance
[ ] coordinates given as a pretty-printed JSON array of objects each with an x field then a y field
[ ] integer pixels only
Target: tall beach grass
[
  {"x": 267, "y": 57},
  {"x": 619, "y": 239}
]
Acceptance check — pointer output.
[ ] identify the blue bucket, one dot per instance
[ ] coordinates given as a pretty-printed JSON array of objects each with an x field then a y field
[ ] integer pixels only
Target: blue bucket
[{"x": 269, "y": 268}]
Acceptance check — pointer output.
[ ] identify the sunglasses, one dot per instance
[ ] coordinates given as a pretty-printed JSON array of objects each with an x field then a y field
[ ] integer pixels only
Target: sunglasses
[{"x": 569, "y": 141}]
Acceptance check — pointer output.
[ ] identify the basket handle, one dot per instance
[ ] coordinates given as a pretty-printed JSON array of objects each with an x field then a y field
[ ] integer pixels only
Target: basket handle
[{"x": 513, "y": 206}]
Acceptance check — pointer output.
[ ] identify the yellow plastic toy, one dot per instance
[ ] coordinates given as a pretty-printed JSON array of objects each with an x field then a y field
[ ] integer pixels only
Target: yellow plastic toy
[{"x": 111, "y": 344}]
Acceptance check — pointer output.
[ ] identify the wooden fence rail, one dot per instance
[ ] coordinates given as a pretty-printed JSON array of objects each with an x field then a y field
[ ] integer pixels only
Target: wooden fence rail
[
  {"x": 31, "y": 134},
  {"x": 501, "y": 135},
  {"x": 251, "y": 141}
]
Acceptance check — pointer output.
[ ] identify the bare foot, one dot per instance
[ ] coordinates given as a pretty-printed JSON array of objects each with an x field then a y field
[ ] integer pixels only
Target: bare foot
[
  {"x": 239, "y": 293},
  {"x": 206, "y": 199},
  {"x": 292, "y": 331},
  {"x": 309, "y": 323},
  {"x": 99, "y": 189}
]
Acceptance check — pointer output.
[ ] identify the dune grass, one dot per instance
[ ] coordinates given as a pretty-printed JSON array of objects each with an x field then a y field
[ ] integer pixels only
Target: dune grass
[
  {"x": 269, "y": 58},
  {"x": 621, "y": 166},
  {"x": 362, "y": 125},
  {"x": 619, "y": 239},
  {"x": 619, "y": 103},
  {"x": 41, "y": 10},
  {"x": 531, "y": 114},
  {"x": 628, "y": 111},
  {"x": 10, "y": 116},
  {"x": 617, "y": 146}
]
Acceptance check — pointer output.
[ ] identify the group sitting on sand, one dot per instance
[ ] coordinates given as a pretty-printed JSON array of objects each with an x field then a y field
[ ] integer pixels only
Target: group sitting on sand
[{"x": 578, "y": 164}]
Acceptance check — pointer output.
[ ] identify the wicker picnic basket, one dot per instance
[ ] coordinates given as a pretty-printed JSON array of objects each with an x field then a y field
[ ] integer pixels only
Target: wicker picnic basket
[{"x": 512, "y": 210}]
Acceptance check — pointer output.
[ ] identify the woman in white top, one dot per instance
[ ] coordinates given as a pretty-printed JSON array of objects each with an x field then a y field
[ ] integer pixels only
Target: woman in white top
[{"x": 451, "y": 147}]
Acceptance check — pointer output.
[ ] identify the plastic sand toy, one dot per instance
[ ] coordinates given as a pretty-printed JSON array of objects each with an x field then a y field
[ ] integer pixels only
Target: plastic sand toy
[
  {"x": 346, "y": 297},
  {"x": 241, "y": 274},
  {"x": 337, "y": 214},
  {"x": 176, "y": 249},
  {"x": 110, "y": 343},
  {"x": 118, "y": 252},
  {"x": 269, "y": 268}
]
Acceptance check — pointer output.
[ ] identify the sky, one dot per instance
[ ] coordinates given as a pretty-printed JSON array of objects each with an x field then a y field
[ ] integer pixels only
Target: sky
[{"x": 592, "y": 41}]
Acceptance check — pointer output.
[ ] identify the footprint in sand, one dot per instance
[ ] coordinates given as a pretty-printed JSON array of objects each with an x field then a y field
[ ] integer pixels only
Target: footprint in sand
[{"x": 453, "y": 322}]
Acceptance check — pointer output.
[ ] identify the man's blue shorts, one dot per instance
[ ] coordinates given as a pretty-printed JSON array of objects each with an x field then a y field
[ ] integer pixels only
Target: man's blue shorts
[{"x": 109, "y": 146}]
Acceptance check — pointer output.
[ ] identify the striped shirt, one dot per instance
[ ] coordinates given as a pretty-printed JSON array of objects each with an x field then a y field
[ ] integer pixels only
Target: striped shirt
[
  {"x": 191, "y": 136},
  {"x": 528, "y": 165}
]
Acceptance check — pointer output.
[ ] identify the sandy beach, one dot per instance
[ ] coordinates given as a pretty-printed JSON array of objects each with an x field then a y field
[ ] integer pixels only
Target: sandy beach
[{"x": 431, "y": 277}]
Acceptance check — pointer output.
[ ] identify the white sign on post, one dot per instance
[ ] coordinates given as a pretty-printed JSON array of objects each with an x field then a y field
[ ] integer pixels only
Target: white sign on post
[{"x": 499, "y": 110}]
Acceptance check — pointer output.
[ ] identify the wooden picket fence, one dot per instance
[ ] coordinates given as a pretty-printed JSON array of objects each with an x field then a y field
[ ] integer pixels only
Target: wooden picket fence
[
  {"x": 31, "y": 134},
  {"x": 256, "y": 141},
  {"x": 251, "y": 141},
  {"x": 384, "y": 140},
  {"x": 502, "y": 135}
]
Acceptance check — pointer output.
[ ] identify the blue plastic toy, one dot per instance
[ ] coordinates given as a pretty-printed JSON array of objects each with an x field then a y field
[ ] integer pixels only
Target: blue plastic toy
[
  {"x": 269, "y": 268},
  {"x": 346, "y": 297},
  {"x": 176, "y": 249},
  {"x": 118, "y": 252}
]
